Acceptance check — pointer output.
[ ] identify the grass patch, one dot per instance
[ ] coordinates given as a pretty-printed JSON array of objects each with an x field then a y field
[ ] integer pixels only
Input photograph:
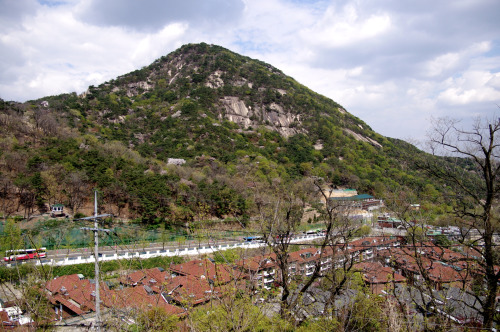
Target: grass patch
[{"x": 18, "y": 273}]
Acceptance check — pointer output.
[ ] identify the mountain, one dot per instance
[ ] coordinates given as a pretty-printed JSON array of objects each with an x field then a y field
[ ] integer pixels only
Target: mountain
[{"x": 233, "y": 120}]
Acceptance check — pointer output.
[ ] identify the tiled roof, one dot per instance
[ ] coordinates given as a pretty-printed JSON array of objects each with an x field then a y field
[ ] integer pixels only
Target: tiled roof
[
  {"x": 68, "y": 281},
  {"x": 71, "y": 306},
  {"x": 371, "y": 242},
  {"x": 375, "y": 273},
  {"x": 307, "y": 255},
  {"x": 257, "y": 263},
  {"x": 5, "y": 320},
  {"x": 436, "y": 270},
  {"x": 144, "y": 277},
  {"x": 222, "y": 273},
  {"x": 352, "y": 198},
  {"x": 79, "y": 292},
  {"x": 189, "y": 290},
  {"x": 139, "y": 298}
]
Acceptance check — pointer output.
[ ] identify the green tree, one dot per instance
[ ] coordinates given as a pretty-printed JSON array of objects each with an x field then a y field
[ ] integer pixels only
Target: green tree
[
  {"x": 235, "y": 312},
  {"x": 228, "y": 256},
  {"x": 157, "y": 319},
  {"x": 11, "y": 238},
  {"x": 364, "y": 311},
  {"x": 442, "y": 240},
  {"x": 300, "y": 149},
  {"x": 363, "y": 231},
  {"x": 35, "y": 303}
]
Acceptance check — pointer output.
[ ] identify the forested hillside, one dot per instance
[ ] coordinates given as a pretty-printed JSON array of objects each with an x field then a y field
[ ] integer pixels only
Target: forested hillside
[{"x": 238, "y": 123}]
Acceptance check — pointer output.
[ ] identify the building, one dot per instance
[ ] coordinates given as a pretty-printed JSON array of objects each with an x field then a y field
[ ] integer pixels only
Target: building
[
  {"x": 73, "y": 295},
  {"x": 259, "y": 270},
  {"x": 386, "y": 221},
  {"x": 150, "y": 277},
  {"x": 363, "y": 202},
  {"x": 182, "y": 285},
  {"x": 141, "y": 298},
  {"x": 367, "y": 248},
  {"x": 417, "y": 263},
  {"x": 206, "y": 269},
  {"x": 303, "y": 262},
  {"x": 12, "y": 316},
  {"x": 57, "y": 210},
  {"x": 379, "y": 278}
]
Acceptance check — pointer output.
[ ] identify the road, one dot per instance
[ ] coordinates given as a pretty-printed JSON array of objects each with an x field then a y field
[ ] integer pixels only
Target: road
[
  {"x": 148, "y": 250},
  {"x": 121, "y": 249}
]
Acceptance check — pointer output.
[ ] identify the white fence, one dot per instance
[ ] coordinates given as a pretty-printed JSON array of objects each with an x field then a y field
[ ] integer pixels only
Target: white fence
[{"x": 167, "y": 252}]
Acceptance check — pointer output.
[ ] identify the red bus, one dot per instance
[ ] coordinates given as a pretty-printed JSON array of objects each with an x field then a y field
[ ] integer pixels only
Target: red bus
[{"x": 24, "y": 254}]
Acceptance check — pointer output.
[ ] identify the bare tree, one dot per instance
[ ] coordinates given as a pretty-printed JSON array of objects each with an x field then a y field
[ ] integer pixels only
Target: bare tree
[
  {"x": 116, "y": 196},
  {"x": 77, "y": 190},
  {"x": 474, "y": 202},
  {"x": 340, "y": 229},
  {"x": 53, "y": 180},
  {"x": 25, "y": 196},
  {"x": 281, "y": 213},
  {"x": 7, "y": 196},
  {"x": 413, "y": 254},
  {"x": 15, "y": 161},
  {"x": 45, "y": 122}
]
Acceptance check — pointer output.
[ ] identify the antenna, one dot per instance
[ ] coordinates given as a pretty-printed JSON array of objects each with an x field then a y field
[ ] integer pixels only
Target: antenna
[{"x": 96, "y": 231}]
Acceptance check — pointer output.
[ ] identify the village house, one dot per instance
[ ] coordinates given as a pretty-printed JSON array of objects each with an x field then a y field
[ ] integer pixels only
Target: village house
[
  {"x": 377, "y": 277},
  {"x": 303, "y": 262},
  {"x": 57, "y": 210},
  {"x": 141, "y": 298},
  {"x": 262, "y": 270},
  {"x": 363, "y": 202},
  {"x": 205, "y": 269},
  {"x": 12, "y": 316},
  {"x": 188, "y": 291},
  {"x": 386, "y": 221},
  {"x": 414, "y": 268},
  {"x": 182, "y": 285},
  {"x": 73, "y": 295},
  {"x": 367, "y": 248},
  {"x": 149, "y": 277},
  {"x": 171, "y": 291},
  {"x": 259, "y": 270}
]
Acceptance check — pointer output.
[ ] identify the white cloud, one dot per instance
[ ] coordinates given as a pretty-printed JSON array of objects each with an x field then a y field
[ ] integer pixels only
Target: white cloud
[
  {"x": 337, "y": 29},
  {"x": 472, "y": 87},
  {"x": 446, "y": 63},
  {"x": 65, "y": 55},
  {"x": 441, "y": 64}
]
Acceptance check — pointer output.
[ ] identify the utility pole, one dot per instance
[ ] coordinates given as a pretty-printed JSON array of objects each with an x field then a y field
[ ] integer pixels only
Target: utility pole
[{"x": 96, "y": 231}]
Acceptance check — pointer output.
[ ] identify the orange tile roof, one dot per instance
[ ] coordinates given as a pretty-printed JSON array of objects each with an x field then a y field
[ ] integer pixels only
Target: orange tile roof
[
  {"x": 371, "y": 242},
  {"x": 222, "y": 273},
  {"x": 80, "y": 291},
  {"x": 189, "y": 290},
  {"x": 139, "y": 298},
  {"x": 71, "y": 306},
  {"x": 436, "y": 270},
  {"x": 375, "y": 273},
  {"x": 257, "y": 263},
  {"x": 67, "y": 281},
  {"x": 144, "y": 277}
]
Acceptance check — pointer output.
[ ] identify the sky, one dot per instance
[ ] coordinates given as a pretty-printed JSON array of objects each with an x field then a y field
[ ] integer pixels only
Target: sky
[{"x": 395, "y": 64}]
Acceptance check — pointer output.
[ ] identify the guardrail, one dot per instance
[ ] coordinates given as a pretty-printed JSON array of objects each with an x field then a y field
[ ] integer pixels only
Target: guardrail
[{"x": 163, "y": 252}]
